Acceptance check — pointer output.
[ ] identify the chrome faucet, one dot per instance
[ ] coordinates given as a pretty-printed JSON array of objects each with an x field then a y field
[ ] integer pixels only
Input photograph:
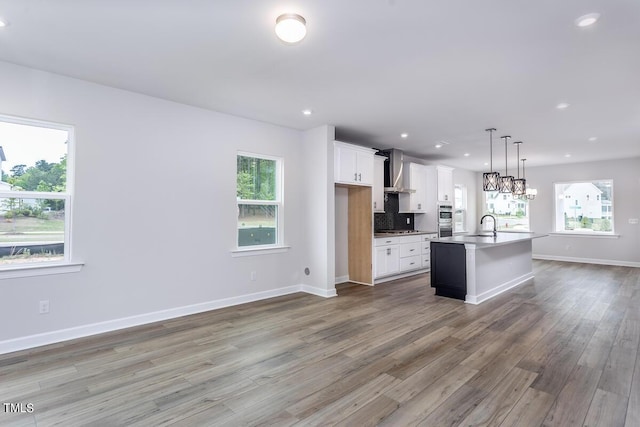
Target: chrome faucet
[{"x": 495, "y": 232}]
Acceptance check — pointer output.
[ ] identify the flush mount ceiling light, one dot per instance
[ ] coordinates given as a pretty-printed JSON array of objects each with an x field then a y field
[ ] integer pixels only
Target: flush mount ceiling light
[
  {"x": 587, "y": 20},
  {"x": 593, "y": 139},
  {"x": 467, "y": 154},
  {"x": 491, "y": 179},
  {"x": 3, "y": 23},
  {"x": 438, "y": 145},
  {"x": 307, "y": 112},
  {"x": 404, "y": 135},
  {"x": 562, "y": 106},
  {"x": 291, "y": 28}
]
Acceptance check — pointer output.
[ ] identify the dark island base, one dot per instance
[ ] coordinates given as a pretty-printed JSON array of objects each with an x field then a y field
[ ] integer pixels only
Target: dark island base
[{"x": 449, "y": 270}]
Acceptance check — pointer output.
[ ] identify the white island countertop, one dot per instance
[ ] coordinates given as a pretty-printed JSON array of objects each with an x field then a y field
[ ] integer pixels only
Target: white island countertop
[{"x": 485, "y": 238}]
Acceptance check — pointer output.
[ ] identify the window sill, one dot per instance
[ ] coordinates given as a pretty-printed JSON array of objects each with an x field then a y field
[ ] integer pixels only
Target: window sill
[
  {"x": 260, "y": 251},
  {"x": 594, "y": 235},
  {"x": 43, "y": 269}
]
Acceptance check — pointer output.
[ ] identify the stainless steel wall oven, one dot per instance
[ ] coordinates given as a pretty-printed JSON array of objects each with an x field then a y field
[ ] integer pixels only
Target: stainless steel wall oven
[{"x": 445, "y": 220}]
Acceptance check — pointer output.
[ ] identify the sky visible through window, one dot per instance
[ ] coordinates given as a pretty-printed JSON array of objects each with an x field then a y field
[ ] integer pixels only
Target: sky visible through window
[{"x": 23, "y": 144}]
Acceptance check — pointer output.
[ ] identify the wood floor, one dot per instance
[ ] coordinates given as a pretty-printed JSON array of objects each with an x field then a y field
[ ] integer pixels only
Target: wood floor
[{"x": 561, "y": 351}]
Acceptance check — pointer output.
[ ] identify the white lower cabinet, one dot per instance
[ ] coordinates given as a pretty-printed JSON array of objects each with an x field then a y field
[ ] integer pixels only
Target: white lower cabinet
[
  {"x": 400, "y": 254},
  {"x": 426, "y": 249},
  {"x": 387, "y": 260}
]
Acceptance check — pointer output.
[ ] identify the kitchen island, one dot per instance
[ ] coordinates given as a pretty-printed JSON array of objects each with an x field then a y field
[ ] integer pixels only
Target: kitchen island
[{"x": 477, "y": 267}]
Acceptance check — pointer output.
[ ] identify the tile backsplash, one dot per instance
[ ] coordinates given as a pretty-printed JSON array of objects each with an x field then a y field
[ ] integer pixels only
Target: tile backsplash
[{"x": 391, "y": 219}]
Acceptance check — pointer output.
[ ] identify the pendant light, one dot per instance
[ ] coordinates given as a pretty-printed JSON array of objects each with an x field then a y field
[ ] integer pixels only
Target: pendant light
[
  {"x": 530, "y": 193},
  {"x": 506, "y": 180},
  {"x": 490, "y": 179},
  {"x": 519, "y": 184}
]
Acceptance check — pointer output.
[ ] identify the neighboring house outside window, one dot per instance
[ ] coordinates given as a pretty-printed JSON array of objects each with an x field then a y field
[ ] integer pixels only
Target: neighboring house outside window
[
  {"x": 584, "y": 207},
  {"x": 259, "y": 198},
  {"x": 35, "y": 192},
  {"x": 512, "y": 214}
]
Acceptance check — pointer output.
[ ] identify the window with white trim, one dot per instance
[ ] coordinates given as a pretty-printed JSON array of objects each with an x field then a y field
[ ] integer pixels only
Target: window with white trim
[
  {"x": 259, "y": 198},
  {"x": 584, "y": 207},
  {"x": 511, "y": 213},
  {"x": 460, "y": 208},
  {"x": 35, "y": 192}
]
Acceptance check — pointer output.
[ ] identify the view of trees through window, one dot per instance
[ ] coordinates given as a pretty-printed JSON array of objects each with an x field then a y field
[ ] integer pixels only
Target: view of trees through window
[
  {"x": 258, "y": 194},
  {"x": 584, "y": 206},
  {"x": 512, "y": 213},
  {"x": 33, "y": 192}
]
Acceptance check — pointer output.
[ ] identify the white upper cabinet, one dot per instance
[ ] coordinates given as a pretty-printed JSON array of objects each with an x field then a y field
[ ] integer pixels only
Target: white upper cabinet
[
  {"x": 445, "y": 183},
  {"x": 415, "y": 178},
  {"x": 353, "y": 164},
  {"x": 378, "y": 184},
  {"x": 440, "y": 185}
]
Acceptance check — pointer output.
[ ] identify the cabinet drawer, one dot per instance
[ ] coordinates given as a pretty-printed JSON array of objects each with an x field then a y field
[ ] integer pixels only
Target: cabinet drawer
[
  {"x": 381, "y": 241},
  {"x": 410, "y": 263},
  {"x": 429, "y": 237},
  {"x": 410, "y": 249},
  {"x": 426, "y": 261}
]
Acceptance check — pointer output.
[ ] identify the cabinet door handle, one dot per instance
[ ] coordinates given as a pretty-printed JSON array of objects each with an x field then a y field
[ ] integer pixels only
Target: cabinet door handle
[
  {"x": 411, "y": 250},
  {"x": 360, "y": 177},
  {"x": 355, "y": 176},
  {"x": 419, "y": 205},
  {"x": 374, "y": 205},
  {"x": 412, "y": 263},
  {"x": 388, "y": 251}
]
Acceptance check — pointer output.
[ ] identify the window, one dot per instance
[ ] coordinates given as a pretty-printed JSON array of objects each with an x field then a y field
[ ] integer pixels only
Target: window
[
  {"x": 512, "y": 213},
  {"x": 259, "y": 195},
  {"x": 35, "y": 192},
  {"x": 460, "y": 208},
  {"x": 584, "y": 207}
]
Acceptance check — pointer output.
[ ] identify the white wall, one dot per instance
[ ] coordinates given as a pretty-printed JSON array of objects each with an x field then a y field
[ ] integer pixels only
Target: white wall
[
  {"x": 624, "y": 250},
  {"x": 154, "y": 210},
  {"x": 470, "y": 180},
  {"x": 318, "y": 217}
]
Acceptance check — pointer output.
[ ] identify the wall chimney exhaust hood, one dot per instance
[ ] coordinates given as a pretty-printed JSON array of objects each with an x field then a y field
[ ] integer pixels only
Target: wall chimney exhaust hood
[{"x": 393, "y": 170}]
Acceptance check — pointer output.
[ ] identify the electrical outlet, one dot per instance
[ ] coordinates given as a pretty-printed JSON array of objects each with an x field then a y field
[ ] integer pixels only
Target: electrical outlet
[
  {"x": 633, "y": 220},
  {"x": 408, "y": 221},
  {"x": 253, "y": 276},
  {"x": 44, "y": 306}
]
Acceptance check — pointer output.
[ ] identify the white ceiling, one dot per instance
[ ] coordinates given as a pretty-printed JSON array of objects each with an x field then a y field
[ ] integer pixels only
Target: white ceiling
[{"x": 440, "y": 70}]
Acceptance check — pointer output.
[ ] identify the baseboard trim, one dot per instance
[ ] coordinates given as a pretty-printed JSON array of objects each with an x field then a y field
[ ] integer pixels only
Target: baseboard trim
[
  {"x": 587, "y": 260},
  {"x": 400, "y": 276},
  {"x": 477, "y": 299},
  {"x": 53, "y": 337},
  {"x": 342, "y": 279}
]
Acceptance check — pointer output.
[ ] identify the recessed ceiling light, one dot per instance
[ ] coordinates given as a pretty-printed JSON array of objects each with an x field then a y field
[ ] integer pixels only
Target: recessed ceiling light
[
  {"x": 588, "y": 19},
  {"x": 562, "y": 106},
  {"x": 307, "y": 112},
  {"x": 567, "y": 155},
  {"x": 404, "y": 135},
  {"x": 438, "y": 146},
  {"x": 486, "y": 163},
  {"x": 467, "y": 154},
  {"x": 593, "y": 138},
  {"x": 291, "y": 28}
]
